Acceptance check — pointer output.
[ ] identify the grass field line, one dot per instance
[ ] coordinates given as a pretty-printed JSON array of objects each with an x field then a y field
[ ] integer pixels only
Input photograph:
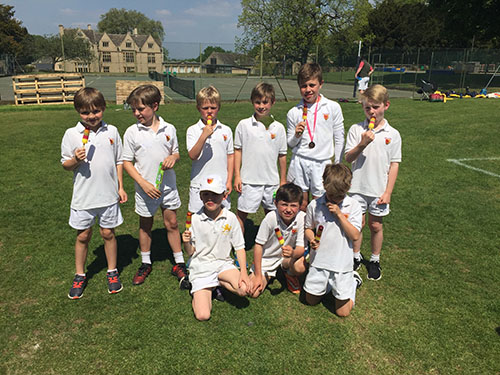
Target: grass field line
[{"x": 459, "y": 162}]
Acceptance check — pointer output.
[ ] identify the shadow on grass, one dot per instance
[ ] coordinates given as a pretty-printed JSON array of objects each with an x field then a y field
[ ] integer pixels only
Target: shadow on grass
[
  {"x": 498, "y": 330},
  {"x": 235, "y": 300}
]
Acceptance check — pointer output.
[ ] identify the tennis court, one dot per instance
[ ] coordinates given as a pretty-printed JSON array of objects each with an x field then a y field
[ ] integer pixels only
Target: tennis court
[{"x": 230, "y": 88}]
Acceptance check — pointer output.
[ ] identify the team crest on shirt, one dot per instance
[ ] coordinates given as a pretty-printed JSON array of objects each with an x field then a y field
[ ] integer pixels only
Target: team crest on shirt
[
  {"x": 210, "y": 180},
  {"x": 168, "y": 137},
  {"x": 111, "y": 141},
  {"x": 225, "y": 137},
  {"x": 388, "y": 140},
  {"x": 273, "y": 135},
  {"x": 294, "y": 230},
  {"x": 226, "y": 229},
  {"x": 326, "y": 115}
]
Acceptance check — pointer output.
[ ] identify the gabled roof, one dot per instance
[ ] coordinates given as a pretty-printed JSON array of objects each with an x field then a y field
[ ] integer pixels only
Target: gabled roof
[
  {"x": 230, "y": 58},
  {"x": 117, "y": 39}
]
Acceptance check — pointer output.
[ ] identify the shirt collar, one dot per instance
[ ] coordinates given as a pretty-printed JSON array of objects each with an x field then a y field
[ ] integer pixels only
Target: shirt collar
[
  {"x": 162, "y": 125},
  {"x": 204, "y": 216},
  {"x": 80, "y": 127}
]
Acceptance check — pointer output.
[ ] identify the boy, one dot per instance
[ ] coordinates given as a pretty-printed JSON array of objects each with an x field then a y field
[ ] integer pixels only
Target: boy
[
  {"x": 259, "y": 142},
  {"x": 312, "y": 127},
  {"x": 333, "y": 221},
  {"x": 363, "y": 74},
  {"x": 375, "y": 156},
  {"x": 287, "y": 222},
  {"x": 214, "y": 232},
  {"x": 152, "y": 144},
  {"x": 210, "y": 147},
  {"x": 93, "y": 151}
]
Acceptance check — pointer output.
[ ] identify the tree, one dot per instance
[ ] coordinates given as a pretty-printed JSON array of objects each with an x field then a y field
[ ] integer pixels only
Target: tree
[
  {"x": 121, "y": 21},
  {"x": 12, "y": 33}
]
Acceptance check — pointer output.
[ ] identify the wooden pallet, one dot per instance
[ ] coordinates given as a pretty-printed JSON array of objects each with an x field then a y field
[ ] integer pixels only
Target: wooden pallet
[
  {"x": 124, "y": 88},
  {"x": 58, "y": 88}
]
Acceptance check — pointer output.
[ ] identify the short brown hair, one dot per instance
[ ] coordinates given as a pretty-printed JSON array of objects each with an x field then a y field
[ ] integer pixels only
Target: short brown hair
[
  {"x": 310, "y": 71},
  {"x": 145, "y": 94},
  {"x": 209, "y": 93},
  {"x": 289, "y": 192},
  {"x": 337, "y": 179},
  {"x": 376, "y": 93},
  {"x": 88, "y": 98},
  {"x": 263, "y": 90}
]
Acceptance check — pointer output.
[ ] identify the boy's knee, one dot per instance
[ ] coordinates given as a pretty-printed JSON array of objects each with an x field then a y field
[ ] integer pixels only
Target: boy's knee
[
  {"x": 202, "y": 315},
  {"x": 376, "y": 226},
  {"x": 84, "y": 236},
  {"x": 343, "y": 313},
  {"x": 107, "y": 234},
  {"x": 171, "y": 224}
]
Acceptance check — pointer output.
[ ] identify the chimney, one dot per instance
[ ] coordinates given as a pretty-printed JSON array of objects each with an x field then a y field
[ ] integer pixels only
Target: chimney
[
  {"x": 89, "y": 27},
  {"x": 61, "y": 30},
  {"x": 135, "y": 31}
]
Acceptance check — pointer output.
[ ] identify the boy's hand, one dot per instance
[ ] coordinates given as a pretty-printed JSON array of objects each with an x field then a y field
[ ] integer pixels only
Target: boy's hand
[
  {"x": 80, "y": 154},
  {"x": 238, "y": 185},
  {"x": 333, "y": 208},
  {"x": 314, "y": 244},
  {"x": 208, "y": 130},
  {"x": 287, "y": 251},
  {"x": 123, "y": 195},
  {"x": 299, "y": 129},
  {"x": 257, "y": 284},
  {"x": 385, "y": 198},
  {"x": 186, "y": 236},
  {"x": 229, "y": 188},
  {"x": 169, "y": 162},
  {"x": 151, "y": 190},
  {"x": 367, "y": 138},
  {"x": 244, "y": 281}
]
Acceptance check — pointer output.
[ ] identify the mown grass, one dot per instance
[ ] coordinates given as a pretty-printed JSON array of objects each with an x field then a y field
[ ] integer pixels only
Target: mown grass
[{"x": 435, "y": 311}]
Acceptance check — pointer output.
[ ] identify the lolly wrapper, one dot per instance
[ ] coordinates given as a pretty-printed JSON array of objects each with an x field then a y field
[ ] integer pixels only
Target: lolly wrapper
[
  {"x": 85, "y": 138},
  {"x": 371, "y": 124},
  {"x": 188, "y": 220},
  {"x": 319, "y": 232},
  {"x": 280, "y": 236},
  {"x": 159, "y": 176}
]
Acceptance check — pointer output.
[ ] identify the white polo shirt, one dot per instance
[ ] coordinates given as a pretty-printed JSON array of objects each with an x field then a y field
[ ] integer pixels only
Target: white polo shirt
[
  {"x": 213, "y": 157},
  {"x": 148, "y": 149},
  {"x": 293, "y": 235},
  {"x": 95, "y": 180},
  {"x": 370, "y": 170},
  {"x": 213, "y": 241},
  {"x": 260, "y": 148},
  {"x": 329, "y": 129},
  {"x": 335, "y": 248}
]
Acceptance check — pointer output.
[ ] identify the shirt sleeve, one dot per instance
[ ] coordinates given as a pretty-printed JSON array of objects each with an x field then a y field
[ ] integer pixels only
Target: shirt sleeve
[
  {"x": 230, "y": 147},
  {"x": 291, "y": 123},
  {"x": 283, "y": 144},
  {"x": 300, "y": 231},
  {"x": 351, "y": 140},
  {"x": 118, "y": 148},
  {"x": 356, "y": 215},
  {"x": 128, "y": 145},
  {"x": 67, "y": 149},
  {"x": 238, "y": 136},
  {"x": 309, "y": 222},
  {"x": 175, "y": 143},
  {"x": 263, "y": 233},
  {"x": 191, "y": 137},
  {"x": 396, "y": 149}
]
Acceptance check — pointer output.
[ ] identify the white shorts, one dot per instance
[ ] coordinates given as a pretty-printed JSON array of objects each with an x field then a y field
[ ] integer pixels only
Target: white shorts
[
  {"x": 195, "y": 202},
  {"x": 307, "y": 174},
  {"x": 212, "y": 280},
  {"x": 252, "y": 196},
  {"x": 146, "y": 206},
  {"x": 363, "y": 83},
  {"x": 320, "y": 281},
  {"x": 370, "y": 204},
  {"x": 108, "y": 217}
]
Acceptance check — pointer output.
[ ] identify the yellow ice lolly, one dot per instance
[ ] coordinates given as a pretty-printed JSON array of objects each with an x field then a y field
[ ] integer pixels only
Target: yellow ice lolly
[
  {"x": 280, "y": 236},
  {"x": 85, "y": 138},
  {"x": 209, "y": 120},
  {"x": 371, "y": 124},
  {"x": 188, "y": 220},
  {"x": 319, "y": 232}
]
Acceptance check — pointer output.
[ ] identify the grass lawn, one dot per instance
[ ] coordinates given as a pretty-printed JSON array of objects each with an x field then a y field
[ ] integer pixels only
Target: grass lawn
[{"x": 436, "y": 309}]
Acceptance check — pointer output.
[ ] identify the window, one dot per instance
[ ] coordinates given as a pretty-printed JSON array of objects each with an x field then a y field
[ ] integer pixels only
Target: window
[
  {"x": 151, "y": 58},
  {"x": 128, "y": 69},
  {"x": 128, "y": 45},
  {"x": 150, "y": 45},
  {"x": 105, "y": 44},
  {"x": 105, "y": 69},
  {"x": 106, "y": 57},
  {"x": 213, "y": 61},
  {"x": 81, "y": 67},
  {"x": 151, "y": 69},
  {"x": 129, "y": 57}
]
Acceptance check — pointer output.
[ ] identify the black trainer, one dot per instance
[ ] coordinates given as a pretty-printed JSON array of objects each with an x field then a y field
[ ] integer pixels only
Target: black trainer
[
  {"x": 78, "y": 286},
  {"x": 180, "y": 271},
  {"x": 114, "y": 283},
  {"x": 374, "y": 271},
  {"x": 217, "y": 294},
  {"x": 357, "y": 263}
]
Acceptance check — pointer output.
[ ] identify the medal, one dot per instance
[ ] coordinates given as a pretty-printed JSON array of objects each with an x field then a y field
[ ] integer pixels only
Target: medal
[{"x": 312, "y": 144}]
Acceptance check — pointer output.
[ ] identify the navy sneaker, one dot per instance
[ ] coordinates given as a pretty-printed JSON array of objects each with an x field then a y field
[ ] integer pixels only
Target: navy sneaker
[
  {"x": 374, "y": 271},
  {"x": 79, "y": 284},
  {"x": 357, "y": 263},
  {"x": 114, "y": 283}
]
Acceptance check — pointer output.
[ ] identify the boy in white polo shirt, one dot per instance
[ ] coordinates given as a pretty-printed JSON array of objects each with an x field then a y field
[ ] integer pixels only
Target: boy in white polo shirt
[
  {"x": 152, "y": 145},
  {"x": 210, "y": 147},
  {"x": 280, "y": 242},
  {"x": 259, "y": 143},
  {"x": 214, "y": 232},
  {"x": 333, "y": 221},
  {"x": 92, "y": 150},
  {"x": 375, "y": 155},
  {"x": 313, "y": 126}
]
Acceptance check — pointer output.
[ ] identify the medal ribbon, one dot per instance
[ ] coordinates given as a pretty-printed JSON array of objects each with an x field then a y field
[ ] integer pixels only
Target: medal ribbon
[{"x": 311, "y": 135}]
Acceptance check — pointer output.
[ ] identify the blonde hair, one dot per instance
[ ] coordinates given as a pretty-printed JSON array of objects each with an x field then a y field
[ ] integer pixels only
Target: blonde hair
[
  {"x": 88, "y": 98},
  {"x": 310, "y": 71},
  {"x": 210, "y": 94},
  {"x": 337, "y": 179},
  {"x": 145, "y": 94},
  {"x": 376, "y": 94},
  {"x": 263, "y": 90}
]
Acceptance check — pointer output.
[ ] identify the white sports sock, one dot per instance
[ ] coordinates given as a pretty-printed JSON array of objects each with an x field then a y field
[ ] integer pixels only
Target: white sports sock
[
  {"x": 357, "y": 255},
  {"x": 146, "y": 257},
  {"x": 178, "y": 257},
  {"x": 375, "y": 258},
  {"x": 114, "y": 269}
]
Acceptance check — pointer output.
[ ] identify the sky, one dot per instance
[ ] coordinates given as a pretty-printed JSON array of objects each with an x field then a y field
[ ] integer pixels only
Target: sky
[{"x": 186, "y": 23}]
